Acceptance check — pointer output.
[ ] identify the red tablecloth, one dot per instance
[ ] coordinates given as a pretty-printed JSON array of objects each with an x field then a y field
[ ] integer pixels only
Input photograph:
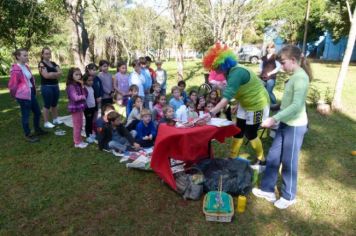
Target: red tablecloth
[{"x": 186, "y": 144}]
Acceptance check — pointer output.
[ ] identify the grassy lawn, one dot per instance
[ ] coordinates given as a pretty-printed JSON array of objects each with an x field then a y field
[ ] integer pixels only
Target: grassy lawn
[{"x": 51, "y": 188}]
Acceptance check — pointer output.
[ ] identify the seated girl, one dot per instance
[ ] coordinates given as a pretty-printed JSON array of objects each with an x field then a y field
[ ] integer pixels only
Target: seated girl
[{"x": 157, "y": 113}]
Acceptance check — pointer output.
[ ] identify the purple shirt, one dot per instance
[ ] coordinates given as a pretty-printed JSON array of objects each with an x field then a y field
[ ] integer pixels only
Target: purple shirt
[
  {"x": 76, "y": 97},
  {"x": 122, "y": 83}
]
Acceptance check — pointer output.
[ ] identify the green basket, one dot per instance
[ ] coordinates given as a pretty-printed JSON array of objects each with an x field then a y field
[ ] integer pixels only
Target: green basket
[{"x": 218, "y": 212}]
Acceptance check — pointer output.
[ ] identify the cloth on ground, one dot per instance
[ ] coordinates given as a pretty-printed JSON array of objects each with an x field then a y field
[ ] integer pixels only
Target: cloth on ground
[{"x": 236, "y": 175}]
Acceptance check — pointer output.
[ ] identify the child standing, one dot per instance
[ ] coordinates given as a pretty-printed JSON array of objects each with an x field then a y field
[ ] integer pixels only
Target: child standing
[
  {"x": 161, "y": 77},
  {"x": 76, "y": 104},
  {"x": 90, "y": 108},
  {"x": 176, "y": 101},
  {"x": 137, "y": 78},
  {"x": 134, "y": 116},
  {"x": 119, "y": 105},
  {"x": 182, "y": 85},
  {"x": 133, "y": 91},
  {"x": 157, "y": 115},
  {"x": 115, "y": 136},
  {"x": 146, "y": 130},
  {"x": 107, "y": 82},
  {"x": 121, "y": 81},
  {"x": 289, "y": 136}
]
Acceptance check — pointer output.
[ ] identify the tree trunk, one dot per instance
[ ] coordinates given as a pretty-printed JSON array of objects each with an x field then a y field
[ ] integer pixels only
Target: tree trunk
[
  {"x": 80, "y": 39},
  {"x": 336, "y": 103}
]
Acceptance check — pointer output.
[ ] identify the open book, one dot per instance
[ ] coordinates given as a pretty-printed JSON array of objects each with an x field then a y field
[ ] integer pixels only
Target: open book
[{"x": 219, "y": 122}]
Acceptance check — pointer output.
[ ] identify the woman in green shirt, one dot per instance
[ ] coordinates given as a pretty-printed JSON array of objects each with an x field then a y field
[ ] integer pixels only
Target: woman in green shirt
[
  {"x": 289, "y": 136},
  {"x": 244, "y": 86}
]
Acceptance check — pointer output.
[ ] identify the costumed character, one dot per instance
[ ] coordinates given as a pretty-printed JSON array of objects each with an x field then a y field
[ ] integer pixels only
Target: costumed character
[{"x": 243, "y": 85}]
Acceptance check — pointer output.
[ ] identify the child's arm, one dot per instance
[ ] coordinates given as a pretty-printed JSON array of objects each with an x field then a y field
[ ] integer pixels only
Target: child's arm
[
  {"x": 153, "y": 130},
  {"x": 72, "y": 94},
  {"x": 13, "y": 82}
]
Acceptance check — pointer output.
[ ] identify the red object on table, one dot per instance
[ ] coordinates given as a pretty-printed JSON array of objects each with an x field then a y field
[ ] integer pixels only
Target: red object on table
[{"x": 185, "y": 144}]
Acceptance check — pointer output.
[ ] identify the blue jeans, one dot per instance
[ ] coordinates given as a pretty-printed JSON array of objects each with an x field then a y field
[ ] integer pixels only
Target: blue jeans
[
  {"x": 119, "y": 143},
  {"x": 284, "y": 150},
  {"x": 269, "y": 85},
  {"x": 26, "y": 107},
  {"x": 50, "y": 95}
]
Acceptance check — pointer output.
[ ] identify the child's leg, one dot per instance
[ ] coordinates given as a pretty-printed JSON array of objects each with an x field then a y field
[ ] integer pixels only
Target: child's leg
[
  {"x": 238, "y": 139},
  {"x": 36, "y": 112},
  {"x": 25, "y": 107},
  {"x": 88, "y": 119},
  {"x": 77, "y": 118},
  {"x": 95, "y": 117},
  {"x": 269, "y": 178},
  {"x": 293, "y": 140},
  {"x": 113, "y": 144}
]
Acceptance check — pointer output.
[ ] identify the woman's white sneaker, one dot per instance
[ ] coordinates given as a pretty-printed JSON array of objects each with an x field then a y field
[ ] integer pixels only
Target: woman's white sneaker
[
  {"x": 283, "y": 203},
  {"x": 48, "y": 125},
  {"x": 81, "y": 145},
  {"x": 269, "y": 196}
]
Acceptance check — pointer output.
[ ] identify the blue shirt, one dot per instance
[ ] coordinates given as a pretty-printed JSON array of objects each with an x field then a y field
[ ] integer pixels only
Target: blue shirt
[
  {"x": 185, "y": 97},
  {"x": 129, "y": 106},
  {"x": 148, "y": 80},
  {"x": 143, "y": 130},
  {"x": 176, "y": 103}
]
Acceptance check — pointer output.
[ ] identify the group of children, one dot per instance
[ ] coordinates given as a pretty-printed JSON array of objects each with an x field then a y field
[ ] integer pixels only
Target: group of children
[{"x": 132, "y": 105}]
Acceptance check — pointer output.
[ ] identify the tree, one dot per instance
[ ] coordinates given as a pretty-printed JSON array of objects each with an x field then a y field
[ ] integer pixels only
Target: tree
[
  {"x": 180, "y": 10},
  {"x": 24, "y": 23},
  {"x": 80, "y": 39},
  {"x": 336, "y": 103}
]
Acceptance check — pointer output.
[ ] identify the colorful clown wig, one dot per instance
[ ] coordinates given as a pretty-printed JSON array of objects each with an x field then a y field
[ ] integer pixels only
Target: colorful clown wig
[{"x": 219, "y": 57}]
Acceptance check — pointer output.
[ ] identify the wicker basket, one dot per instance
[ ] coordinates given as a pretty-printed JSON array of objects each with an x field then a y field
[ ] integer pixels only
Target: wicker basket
[{"x": 219, "y": 216}]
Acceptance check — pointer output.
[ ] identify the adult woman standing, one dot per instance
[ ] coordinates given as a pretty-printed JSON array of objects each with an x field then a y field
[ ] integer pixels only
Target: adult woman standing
[
  {"x": 50, "y": 73},
  {"x": 269, "y": 68},
  {"x": 243, "y": 85},
  {"x": 22, "y": 87}
]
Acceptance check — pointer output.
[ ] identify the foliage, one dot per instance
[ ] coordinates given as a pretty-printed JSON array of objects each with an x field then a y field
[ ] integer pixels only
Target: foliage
[
  {"x": 24, "y": 23},
  {"x": 336, "y": 18},
  {"x": 314, "y": 96},
  {"x": 291, "y": 15}
]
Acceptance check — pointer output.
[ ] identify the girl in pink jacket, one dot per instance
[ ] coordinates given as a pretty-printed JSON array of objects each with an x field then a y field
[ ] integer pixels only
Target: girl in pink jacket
[{"x": 22, "y": 87}]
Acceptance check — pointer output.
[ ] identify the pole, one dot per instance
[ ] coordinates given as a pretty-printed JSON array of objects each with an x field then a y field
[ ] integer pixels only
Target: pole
[{"x": 306, "y": 27}]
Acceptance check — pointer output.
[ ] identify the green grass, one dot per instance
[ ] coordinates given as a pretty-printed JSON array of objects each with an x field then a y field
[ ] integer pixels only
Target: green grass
[{"x": 52, "y": 188}]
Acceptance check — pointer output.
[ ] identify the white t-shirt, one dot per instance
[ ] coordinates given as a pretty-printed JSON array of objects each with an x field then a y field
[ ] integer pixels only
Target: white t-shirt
[
  {"x": 90, "y": 98},
  {"x": 27, "y": 74}
]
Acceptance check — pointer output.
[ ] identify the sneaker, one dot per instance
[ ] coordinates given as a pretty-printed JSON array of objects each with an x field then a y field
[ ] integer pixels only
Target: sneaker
[
  {"x": 117, "y": 153},
  {"x": 259, "y": 165},
  {"x": 40, "y": 132},
  {"x": 89, "y": 140},
  {"x": 81, "y": 145},
  {"x": 269, "y": 196},
  {"x": 283, "y": 203},
  {"x": 31, "y": 138},
  {"x": 49, "y": 125},
  {"x": 57, "y": 121}
]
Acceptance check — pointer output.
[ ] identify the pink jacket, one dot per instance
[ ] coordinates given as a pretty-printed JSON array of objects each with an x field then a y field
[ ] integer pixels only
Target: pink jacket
[{"x": 18, "y": 85}]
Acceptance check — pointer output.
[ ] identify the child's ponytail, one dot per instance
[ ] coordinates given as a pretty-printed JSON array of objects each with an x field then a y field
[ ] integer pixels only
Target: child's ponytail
[{"x": 305, "y": 64}]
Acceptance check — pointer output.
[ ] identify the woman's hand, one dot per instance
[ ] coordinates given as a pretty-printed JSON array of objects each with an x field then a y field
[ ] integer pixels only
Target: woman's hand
[{"x": 268, "y": 123}]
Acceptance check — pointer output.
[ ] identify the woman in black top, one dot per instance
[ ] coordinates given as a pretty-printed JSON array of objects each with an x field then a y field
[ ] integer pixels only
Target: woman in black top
[
  {"x": 50, "y": 73},
  {"x": 269, "y": 68}
]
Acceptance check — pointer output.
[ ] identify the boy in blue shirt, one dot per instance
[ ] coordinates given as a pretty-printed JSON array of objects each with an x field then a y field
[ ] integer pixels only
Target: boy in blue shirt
[
  {"x": 146, "y": 130},
  {"x": 176, "y": 101}
]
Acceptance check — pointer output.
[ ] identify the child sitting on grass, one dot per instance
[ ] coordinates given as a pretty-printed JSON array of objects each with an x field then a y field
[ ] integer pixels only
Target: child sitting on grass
[
  {"x": 158, "y": 108},
  {"x": 134, "y": 116},
  {"x": 168, "y": 115},
  {"x": 176, "y": 101},
  {"x": 191, "y": 111},
  {"x": 119, "y": 105},
  {"x": 146, "y": 130},
  {"x": 115, "y": 137},
  {"x": 102, "y": 120}
]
